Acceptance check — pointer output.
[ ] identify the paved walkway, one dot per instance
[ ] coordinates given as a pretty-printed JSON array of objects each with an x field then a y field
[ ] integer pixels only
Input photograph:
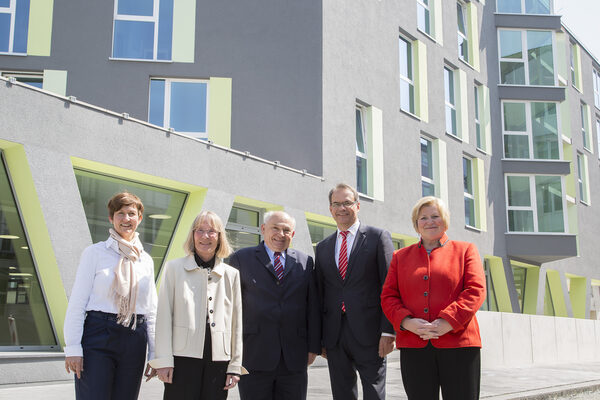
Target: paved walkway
[{"x": 565, "y": 381}]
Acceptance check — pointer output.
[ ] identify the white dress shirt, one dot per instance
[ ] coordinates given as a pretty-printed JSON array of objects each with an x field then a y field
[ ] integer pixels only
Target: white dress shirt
[
  {"x": 349, "y": 242},
  {"x": 91, "y": 292}
]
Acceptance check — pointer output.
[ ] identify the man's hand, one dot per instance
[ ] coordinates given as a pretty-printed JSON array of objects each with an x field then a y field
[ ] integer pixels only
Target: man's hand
[
  {"x": 311, "y": 357},
  {"x": 323, "y": 353},
  {"x": 74, "y": 364},
  {"x": 165, "y": 374},
  {"x": 149, "y": 373},
  {"x": 231, "y": 381},
  {"x": 386, "y": 345}
]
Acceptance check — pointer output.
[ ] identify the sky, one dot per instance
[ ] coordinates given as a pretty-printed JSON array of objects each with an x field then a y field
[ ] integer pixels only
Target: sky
[{"x": 582, "y": 18}]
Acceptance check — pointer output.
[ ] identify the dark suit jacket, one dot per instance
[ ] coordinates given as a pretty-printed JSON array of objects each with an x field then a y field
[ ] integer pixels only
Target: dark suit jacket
[
  {"x": 368, "y": 264},
  {"x": 279, "y": 317}
]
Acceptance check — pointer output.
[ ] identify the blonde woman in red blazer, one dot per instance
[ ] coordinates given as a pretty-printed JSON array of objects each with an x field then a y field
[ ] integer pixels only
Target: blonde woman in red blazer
[{"x": 431, "y": 294}]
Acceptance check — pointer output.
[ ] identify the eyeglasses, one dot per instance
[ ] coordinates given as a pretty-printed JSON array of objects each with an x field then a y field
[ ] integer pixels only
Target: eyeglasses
[
  {"x": 202, "y": 232},
  {"x": 346, "y": 204}
]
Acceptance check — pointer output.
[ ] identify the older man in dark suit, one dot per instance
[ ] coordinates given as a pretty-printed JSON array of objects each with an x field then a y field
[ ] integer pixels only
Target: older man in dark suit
[
  {"x": 351, "y": 266},
  {"x": 282, "y": 326}
]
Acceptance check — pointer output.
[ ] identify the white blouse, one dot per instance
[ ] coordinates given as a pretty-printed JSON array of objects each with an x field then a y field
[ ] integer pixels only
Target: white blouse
[{"x": 91, "y": 292}]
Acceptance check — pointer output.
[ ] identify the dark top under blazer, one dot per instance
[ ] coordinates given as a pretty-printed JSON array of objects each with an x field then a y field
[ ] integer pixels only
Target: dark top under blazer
[
  {"x": 278, "y": 317},
  {"x": 368, "y": 264}
]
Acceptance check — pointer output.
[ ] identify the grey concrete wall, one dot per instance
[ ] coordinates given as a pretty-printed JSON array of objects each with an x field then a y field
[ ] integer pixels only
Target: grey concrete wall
[{"x": 270, "y": 48}]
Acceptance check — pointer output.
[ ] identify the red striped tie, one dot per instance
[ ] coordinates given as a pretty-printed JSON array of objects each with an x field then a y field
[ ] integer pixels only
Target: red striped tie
[
  {"x": 343, "y": 260},
  {"x": 278, "y": 266}
]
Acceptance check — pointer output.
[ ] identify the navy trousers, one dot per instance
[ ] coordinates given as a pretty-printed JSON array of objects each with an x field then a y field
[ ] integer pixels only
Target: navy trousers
[{"x": 113, "y": 359}]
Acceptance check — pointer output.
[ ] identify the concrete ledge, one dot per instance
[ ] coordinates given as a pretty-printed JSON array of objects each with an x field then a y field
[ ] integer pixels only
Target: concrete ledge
[
  {"x": 552, "y": 393},
  {"x": 31, "y": 367}
]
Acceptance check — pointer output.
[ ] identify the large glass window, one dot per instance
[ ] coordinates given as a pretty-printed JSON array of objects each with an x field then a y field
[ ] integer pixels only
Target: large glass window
[
  {"x": 23, "y": 314},
  {"x": 143, "y": 29},
  {"x": 162, "y": 208},
  {"x": 463, "y": 34},
  {"x": 596, "y": 79},
  {"x": 535, "y": 203},
  {"x": 530, "y": 130},
  {"x": 469, "y": 193},
  {"x": 14, "y": 26},
  {"x": 407, "y": 85},
  {"x": 525, "y": 6},
  {"x": 361, "y": 151},
  {"x": 319, "y": 231},
  {"x": 427, "y": 180},
  {"x": 179, "y": 104},
  {"x": 536, "y": 67},
  {"x": 243, "y": 227},
  {"x": 424, "y": 16},
  {"x": 450, "y": 96}
]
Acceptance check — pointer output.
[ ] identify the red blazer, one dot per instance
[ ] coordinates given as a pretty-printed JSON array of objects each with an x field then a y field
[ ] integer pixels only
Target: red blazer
[{"x": 448, "y": 284}]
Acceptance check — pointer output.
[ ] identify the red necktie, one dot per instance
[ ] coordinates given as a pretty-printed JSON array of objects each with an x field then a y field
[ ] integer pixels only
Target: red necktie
[
  {"x": 343, "y": 260},
  {"x": 278, "y": 266}
]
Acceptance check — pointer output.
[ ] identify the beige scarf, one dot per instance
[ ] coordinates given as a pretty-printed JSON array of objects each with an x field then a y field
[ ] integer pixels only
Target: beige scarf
[{"x": 124, "y": 287}]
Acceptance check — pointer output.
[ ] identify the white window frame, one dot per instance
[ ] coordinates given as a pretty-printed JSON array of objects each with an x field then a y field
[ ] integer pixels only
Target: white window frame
[
  {"x": 364, "y": 155},
  {"x": 596, "y": 80},
  {"x": 426, "y": 179},
  {"x": 11, "y": 9},
  {"x": 585, "y": 129},
  {"x": 468, "y": 195},
  {"x": 524, "y": 58},
  {"x": 167, "y": 103},
  {"x": 523, "y": 10},
  {"x": 464, "y": 36},
  {"x": 572, "y": 64},
  {"x": 410, "y": 68},
  {"x": 582, "y": 180},
  {"x": 139, "y": 18},
  {"x": 427, "y": 7},
  {"x": 450, "y": 85},
  {"x": 533, "y": 206},
  {"x": 529, "y": 129},
  {"x": 480, "y": 139}
]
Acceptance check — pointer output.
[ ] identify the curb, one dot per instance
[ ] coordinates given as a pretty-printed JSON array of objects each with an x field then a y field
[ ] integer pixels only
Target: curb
[{"x": 551, "y": 393}]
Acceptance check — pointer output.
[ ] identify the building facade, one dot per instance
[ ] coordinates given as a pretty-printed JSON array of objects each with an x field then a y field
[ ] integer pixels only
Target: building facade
[{"x": 493, "y": 106}]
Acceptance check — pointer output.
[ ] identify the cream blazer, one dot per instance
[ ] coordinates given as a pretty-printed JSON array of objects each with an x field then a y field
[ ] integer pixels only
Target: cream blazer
[{"x": 187, "y": 295}]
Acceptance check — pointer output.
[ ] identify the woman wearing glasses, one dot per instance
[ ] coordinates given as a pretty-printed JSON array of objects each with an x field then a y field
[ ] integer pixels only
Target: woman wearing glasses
[{"x": 199, "y": 318}]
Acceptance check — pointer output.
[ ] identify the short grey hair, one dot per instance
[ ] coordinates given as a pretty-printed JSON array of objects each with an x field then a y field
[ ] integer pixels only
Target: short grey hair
[{"x": 270, "y": 214}]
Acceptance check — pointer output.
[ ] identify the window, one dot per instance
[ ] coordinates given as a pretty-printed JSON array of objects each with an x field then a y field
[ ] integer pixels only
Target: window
[
  {"x": 424, "y": 16},
  {"x": 598, "y": 135},
  {"x": 468, "y": 192},
  {"x": 162, "y": 208},
  {"x": 585, "y": 128},
  {"x": 143, "y": 29},
  {"x": 572, "y": 63},
  {"x": 535, "y": 203},
  {"x": 407, "y": 86},
  {"x": 525, "y": 6},
  {"x": 582, "y": 178},
  {"x": 450, "y": 96},
  {"x": 35, "y": 79},
  {"x": 536, "y": 67},
  {"x": 427, "y": 168},
  {"x": 398, "y": 243},
  {"x": 179, "y": 104},
  {"x": 463, "y": 34},
  {"x": 14, "y": 26},
  {"x": 319, "y": 231},
  {"x": 596, "y": 79},
  {"x": 22, "y": 304},
  {"x": 478, "y": 134},
  {"x": 361, "y": 151},
  {"x": 243, "y": 227},
  {"x": 530, "y": 130},
  {"x": 490, "y": 303}
]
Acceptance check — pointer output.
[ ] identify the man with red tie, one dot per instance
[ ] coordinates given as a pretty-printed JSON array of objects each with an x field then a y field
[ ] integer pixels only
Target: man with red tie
[
  {"x": 351, "y": 266},
  {"x": 280, "y": 312}
]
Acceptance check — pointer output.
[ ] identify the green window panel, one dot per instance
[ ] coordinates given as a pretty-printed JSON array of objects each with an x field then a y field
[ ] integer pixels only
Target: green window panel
[
  {"x": 162, "y": 210},
  {"x": 243, "y": 227},
  {"x": 319, "y": 231},
  {"x": 22, "y": 304}
]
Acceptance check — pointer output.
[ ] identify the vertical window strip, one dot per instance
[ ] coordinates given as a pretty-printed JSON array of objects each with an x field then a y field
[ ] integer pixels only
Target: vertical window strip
[
  {"x": 463, "y": 34},
  {"x": 407, "y": 86},
  {"x": 450, "y": 96},
  {"x": 469, "y": 193},
  {"x": 480, "y": 138},
  {"x": 424, "y": 16},
  {"x": 584, "y": 126},
  {"x": 427, "y": 168},
  {"x": 596, "y": 79},
  {"x": 361, "y": 151}
]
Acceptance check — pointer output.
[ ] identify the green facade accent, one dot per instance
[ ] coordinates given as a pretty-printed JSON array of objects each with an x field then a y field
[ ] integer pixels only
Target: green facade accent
[
  {"x": 530, "y": 294},
  {"x": 577, "y": 66},
  {"x": 219, "y": 111},
  {"x": 322, "y": 219},
  {"x": 485, "y": 118},
  {"x": 577, "y": 294},
  {"x": 462, "y": 105},
  {"x": 473, "y": 35},
  {"x": 37, "y": 233},
  {"x": 374, "y": 117},
  {"x": 257, "y": 204},
  {"x": 561, "y": 58},
  {"x": 436, "y": 15},
  {"x": 55, "y": 81},
  {"x": 420, "y": 80},
  {"x": 39, "y": 35},
  {"x": 556, "y": 290},
  {"x": 498, "y": 278},
  {"x": 184, "y": 30}
]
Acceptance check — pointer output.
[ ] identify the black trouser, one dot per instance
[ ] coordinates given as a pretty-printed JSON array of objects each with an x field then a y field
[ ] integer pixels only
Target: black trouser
[
  {"x": 113, "y": 359},
  {"x": 198, "y": 378},
  {"x": 280, "y": 384},
  {"x": 456, "y": 371},
  {"x": 346, "y": 358}
]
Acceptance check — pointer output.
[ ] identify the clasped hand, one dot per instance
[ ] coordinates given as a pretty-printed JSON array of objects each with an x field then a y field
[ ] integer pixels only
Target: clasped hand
[{"x": 427, "y": 330}]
